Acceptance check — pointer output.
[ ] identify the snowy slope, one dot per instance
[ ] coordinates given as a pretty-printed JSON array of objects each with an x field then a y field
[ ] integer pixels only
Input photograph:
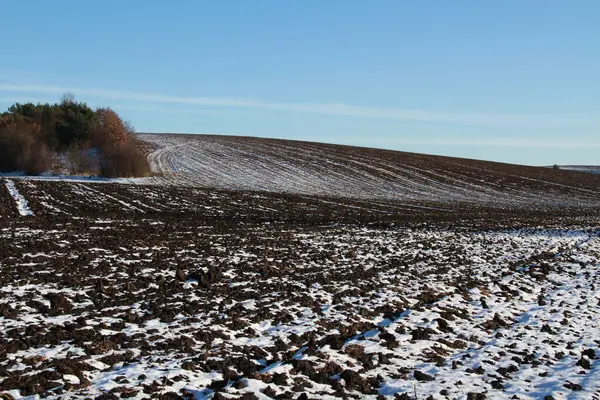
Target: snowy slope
[{"x": 320, "y": 169}]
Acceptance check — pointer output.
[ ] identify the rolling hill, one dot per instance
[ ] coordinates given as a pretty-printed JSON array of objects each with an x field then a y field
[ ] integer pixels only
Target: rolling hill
[{"x": 246, "y": 163}]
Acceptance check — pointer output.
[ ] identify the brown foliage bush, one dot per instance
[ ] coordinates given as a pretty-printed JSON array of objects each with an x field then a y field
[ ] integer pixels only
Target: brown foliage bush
[
  {"x": 125, "y": 161},
  {"x": 109, "y": 131},
  {"x": 22, "y": 148},
  {"x": 90, "y": 141}
]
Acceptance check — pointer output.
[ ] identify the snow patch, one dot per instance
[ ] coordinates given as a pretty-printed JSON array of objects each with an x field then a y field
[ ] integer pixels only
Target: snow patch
[{"x": 22, "y": 205}]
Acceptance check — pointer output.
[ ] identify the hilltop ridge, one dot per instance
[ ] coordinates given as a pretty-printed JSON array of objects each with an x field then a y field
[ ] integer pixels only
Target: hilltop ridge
[{"x": 309, "y": 168}]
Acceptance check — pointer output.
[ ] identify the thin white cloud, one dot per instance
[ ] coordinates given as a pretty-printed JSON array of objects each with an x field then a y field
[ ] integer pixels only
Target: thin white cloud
[
  {"x": 133, "y": 96},
  {"x": 158, "y": 109},
  {"x": 334, "y": 109},
  {"x": 501, "y": 142},
  {"x": 27, "y": 99}
]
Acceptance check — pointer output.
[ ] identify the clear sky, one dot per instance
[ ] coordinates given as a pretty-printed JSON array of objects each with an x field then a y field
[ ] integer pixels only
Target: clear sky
[{"x": 512, "y": 80}]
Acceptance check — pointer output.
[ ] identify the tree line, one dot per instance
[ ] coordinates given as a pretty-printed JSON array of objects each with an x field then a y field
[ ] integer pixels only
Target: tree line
[{"x": 71, "y": 136}]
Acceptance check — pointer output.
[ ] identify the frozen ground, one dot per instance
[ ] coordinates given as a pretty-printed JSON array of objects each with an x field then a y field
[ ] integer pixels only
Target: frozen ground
[
  {"x": 264, "y": 269},
  {"x": 130, "y": 291},
  {"x": 281, "y": 166},
  {"x": 324, "y": 170}
]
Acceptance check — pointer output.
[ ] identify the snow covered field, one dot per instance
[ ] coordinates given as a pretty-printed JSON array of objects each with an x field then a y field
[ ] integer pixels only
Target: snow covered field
[
  {"x": 128, "y": 291},
  {"x": 410, "y": 276},
  {"x": 239, "y": 163},
  {"x": 593, "y": 169}
]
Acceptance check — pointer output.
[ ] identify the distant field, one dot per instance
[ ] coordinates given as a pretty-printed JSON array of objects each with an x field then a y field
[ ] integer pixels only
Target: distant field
[
  {"x": 243, "y": 163},
  {"x": 594, "y": 169}
]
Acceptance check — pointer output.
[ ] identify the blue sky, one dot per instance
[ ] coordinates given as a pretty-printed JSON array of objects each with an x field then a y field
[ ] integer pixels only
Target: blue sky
[{"x": 513, "y": 81}]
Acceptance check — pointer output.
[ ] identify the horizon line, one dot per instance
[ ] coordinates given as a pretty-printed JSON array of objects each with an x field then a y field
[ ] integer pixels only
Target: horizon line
[{"x": 510, "y": 143}]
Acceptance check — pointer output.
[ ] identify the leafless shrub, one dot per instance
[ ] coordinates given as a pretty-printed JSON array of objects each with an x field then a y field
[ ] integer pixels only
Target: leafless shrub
[
  {"x": 22, "y": 148},
  {"x": 82, "y": 160},
  {"x": 127, "y": 160}
]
